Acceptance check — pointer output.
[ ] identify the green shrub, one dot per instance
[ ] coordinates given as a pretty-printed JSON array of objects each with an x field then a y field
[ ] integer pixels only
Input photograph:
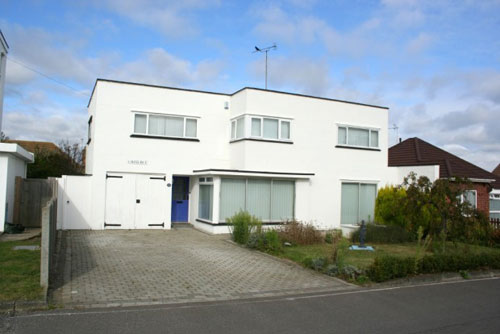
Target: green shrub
[
  {"x": 389, "y": 208},
  {"x": 316, "y": 263},
  {"x": 384, "y": 234},
  {"x": 299, "y": 233},
  {"x": 242, "y": 225},
  {"x": 329, "y": 238},
  {"x": 339, "y": 253},
  {"x": 268, "y": 241},
  {"x": 390, "y": 267},
  {"x": 333, "y": 236}
]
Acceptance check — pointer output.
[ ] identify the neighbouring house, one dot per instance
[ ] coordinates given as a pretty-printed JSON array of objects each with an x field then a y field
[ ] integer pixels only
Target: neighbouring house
[
  {"x": 33, "y": 146},
  {"x": 13, "y": 163},
  {"x": 495, "y": 195},
  {"x": 13, "y": 158},
  {"x": 416, "y": 155},
  {"x": 159, "y": 155},
  {"x": 4, "y": 48}
]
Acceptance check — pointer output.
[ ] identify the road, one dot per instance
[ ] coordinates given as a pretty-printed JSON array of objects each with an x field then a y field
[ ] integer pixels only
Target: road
[{"x": 471, "y": 306}]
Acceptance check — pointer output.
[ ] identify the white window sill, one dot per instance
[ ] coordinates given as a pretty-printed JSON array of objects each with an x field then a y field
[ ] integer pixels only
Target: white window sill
[{"x": 278, "y": 141}]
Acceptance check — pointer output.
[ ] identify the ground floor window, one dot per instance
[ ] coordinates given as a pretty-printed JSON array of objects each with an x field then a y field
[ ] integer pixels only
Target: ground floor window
[
  {"x": 470, "y": 196},
  {"x": 357, "y": 202},
  {"x": 205, "y": 203},
  {"x": 267, "y": 199},
  {"x": 495, "y": 206}
]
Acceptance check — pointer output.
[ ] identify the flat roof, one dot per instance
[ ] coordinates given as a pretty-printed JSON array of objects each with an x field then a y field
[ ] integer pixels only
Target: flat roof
[{"x": 226, "y": 94}]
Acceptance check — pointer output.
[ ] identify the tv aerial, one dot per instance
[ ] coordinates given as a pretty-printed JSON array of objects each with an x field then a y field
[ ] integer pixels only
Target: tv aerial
[{"x": 265, "y": 50}]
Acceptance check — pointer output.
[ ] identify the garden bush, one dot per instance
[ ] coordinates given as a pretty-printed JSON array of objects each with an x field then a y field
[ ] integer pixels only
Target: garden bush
[
  {"x": 266, "y": 241},
  {"x": 389, "y": 208},
  {"x": 390, "y": 267},
  {"x": 384, "y": 234},
  {"x": 316, "y": 263},
  {"x": 299, "y": 233},
  {"x": 242, "y": 225}
]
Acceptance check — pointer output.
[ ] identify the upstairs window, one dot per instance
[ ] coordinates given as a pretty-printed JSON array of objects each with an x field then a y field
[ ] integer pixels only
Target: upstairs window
[
  {"x": 165, "y": 126},
  {"x": 357, "y": 137},
  {"x": 270, "y": 128},
  {"x": 259, "y": 127}
]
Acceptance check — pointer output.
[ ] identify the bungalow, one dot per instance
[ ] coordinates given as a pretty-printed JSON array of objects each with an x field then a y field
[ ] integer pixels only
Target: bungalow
[
  {"x": 160, "y": 155},
  {"x": 419, "y": 156}
]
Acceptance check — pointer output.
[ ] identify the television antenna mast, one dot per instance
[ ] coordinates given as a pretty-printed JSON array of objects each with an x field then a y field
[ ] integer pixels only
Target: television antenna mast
[
  {"x": 396, "y": 128},
  {"x": 265, "y": 50}
]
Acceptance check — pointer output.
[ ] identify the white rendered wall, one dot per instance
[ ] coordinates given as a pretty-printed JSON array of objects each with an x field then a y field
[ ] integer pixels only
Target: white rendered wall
[
  {"x": 112, "y": 147},
  {"x": 313, "y": 132},
  {"x": 3, "y": 65},
  {"x": 73, "y": 204},
  {"x": 314, "y": 136},
  {"x": 10, "y": 167}
]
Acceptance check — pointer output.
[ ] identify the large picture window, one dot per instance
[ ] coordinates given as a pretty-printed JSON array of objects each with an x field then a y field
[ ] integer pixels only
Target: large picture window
[
  {"x": 165, "y": 126},
  {"x": 357, "y": 202},
  {"x": 357, "y": 137},
  {"x": 267, "y": 199}
]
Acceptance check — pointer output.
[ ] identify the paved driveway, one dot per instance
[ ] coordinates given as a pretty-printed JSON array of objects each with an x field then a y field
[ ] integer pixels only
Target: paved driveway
[{"x": 107, "y": 268}]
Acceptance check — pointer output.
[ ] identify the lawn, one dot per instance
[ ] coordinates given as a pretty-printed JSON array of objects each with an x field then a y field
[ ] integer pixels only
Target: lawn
[
  {"x": 19, "y": 271},
  {"x": 363, "y": 259}
]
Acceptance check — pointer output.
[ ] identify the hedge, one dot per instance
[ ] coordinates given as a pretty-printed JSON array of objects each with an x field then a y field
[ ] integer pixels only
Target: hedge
[
  {"x": 390, "y": 267},
  {"x": 384, "y": 234}
]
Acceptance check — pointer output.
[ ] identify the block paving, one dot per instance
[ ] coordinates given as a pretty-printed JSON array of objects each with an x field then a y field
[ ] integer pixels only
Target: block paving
[{"x": 136, "y": 267}]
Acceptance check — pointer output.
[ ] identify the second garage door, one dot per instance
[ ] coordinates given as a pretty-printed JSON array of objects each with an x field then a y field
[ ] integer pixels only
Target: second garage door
[{"x": 135, "y": 201}]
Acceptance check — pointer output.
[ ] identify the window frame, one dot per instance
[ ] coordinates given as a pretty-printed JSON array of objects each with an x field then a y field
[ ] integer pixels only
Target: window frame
[
  {"x": 89, "y": 130},
  {"x": 222, "y": 220},
  {"x": 370, "y": 130},
  {"x": 184, "y": 125},
  {"x": 206, "y": 181},
  {"x": 358, "y": 183},
  {"x": 462, "y": 197},
  {"x": 494, "y": 197},
  {"x": 248, "y": 127}
]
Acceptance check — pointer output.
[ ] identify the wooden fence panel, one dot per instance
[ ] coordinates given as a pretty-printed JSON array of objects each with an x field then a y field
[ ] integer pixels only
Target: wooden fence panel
[{"x": 30, "y": 197}]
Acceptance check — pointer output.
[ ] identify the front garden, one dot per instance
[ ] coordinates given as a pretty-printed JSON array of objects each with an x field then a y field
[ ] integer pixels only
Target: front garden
[{"x": 422, "y": 227}]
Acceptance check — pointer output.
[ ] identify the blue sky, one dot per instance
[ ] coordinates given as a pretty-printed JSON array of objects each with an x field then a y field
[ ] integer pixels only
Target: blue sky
[{"x": 436, "y": 64}]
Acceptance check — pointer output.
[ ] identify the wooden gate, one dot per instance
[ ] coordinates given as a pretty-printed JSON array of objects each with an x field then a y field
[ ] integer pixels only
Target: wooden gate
[{"x": 31, "y": 195}]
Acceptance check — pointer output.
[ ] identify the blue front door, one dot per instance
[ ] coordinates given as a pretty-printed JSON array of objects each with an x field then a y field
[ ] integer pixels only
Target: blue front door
[{"x": 180, "y": 199}]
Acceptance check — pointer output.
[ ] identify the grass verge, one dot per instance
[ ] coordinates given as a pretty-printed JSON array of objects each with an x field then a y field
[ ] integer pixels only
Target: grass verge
[{"x": 19, "y": 271}]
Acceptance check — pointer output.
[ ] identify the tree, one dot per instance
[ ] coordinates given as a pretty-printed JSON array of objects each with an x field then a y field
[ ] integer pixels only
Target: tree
[
  {"x": 66, "y": 160},
  {"x": 389, "y": 206}
]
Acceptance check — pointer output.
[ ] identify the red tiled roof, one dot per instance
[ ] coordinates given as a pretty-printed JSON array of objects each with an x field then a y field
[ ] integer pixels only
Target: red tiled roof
[
  {"x": 496, "y": 171},
  {"x": 416, "y": 152},
  {"x": 32, "y": 146}
]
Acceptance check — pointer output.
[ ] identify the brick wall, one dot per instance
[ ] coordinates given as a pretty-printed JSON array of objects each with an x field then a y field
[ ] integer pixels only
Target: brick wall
[{"x": 483, "y": 197}]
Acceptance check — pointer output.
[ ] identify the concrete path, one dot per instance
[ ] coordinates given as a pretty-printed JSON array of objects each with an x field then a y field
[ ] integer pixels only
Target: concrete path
[{"x": 125, "y": 268}]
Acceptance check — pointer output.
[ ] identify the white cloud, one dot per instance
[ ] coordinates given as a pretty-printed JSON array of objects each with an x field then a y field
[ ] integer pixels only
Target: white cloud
[
  {"x": 169, "y": 17},
  {"x": 420, "y": 43}
]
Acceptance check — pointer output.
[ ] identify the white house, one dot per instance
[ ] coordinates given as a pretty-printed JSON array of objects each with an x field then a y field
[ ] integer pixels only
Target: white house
[
  {"x": 159, "y": 155},
  {"x": 13, "y": 158},
  {"x": 4, "y": 48}
]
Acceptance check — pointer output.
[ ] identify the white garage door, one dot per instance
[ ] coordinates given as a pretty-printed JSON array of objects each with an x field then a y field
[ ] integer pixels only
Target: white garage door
[{"x": 135, "y": 201}]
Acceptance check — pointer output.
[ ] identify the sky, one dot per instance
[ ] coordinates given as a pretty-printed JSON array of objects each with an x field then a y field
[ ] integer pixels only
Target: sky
[{"x": 435, "y": 64}]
